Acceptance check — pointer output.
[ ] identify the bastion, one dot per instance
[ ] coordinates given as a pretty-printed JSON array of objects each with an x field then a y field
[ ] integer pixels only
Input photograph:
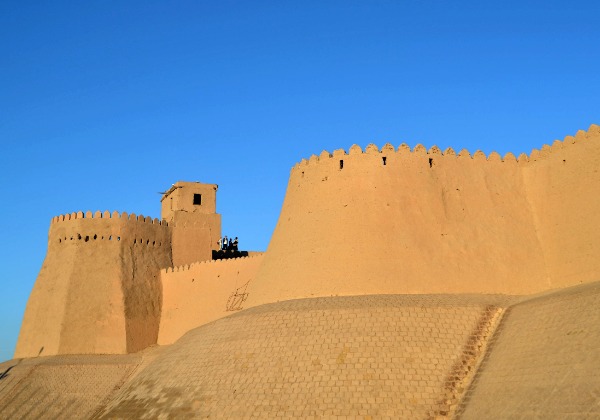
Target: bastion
[{"x": 398, "y": 283}]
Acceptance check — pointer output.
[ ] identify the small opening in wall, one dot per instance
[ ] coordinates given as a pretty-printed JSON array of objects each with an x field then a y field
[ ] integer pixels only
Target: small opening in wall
[
  {"x": 59, "y": 240},
  {"x": 341, "y": 163},
  {"x": 78, "y": 236},
  {"x": 430, "y": 162},
  {"x": 302, "y": 174},
  {"x": 95, "y": 237},
  {"x": 118, "y": 238},
  {"x": 153, "y": 243},
  {"x": 135, "y": 241},
  {"x": 87, "y": 238},
  {"x": 197, "y": 199},
  {"x": 384, "y": 159},
  {"x": 147, "y": 241},
  {"x": 110, "y": 238}
]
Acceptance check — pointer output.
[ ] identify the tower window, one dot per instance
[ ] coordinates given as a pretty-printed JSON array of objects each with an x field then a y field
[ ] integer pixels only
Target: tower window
[{"x": 197, "y": 199}]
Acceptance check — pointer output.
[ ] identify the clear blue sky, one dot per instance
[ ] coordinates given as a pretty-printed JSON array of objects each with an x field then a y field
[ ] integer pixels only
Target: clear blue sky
[{"x": 103, "y": 104}]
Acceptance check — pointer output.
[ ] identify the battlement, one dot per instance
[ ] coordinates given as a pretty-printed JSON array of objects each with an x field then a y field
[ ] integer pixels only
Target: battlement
[
  {"x": 388, "y": 154},
  {"x": 402, "y": 220},
  {"x": 187, "y": 267},
  {"x": 107, "y": 215}
]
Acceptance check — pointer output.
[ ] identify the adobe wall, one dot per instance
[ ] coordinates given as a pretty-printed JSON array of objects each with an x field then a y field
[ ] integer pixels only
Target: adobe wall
[
  {"x": 563, "y": 187},
  {"x": 402, "y": 221},
  {"x": 194, "y": 237},
  {"x": 197, "y": 294},
  {"x": 99, "y": 289},
  {"x": 425, "y": 222}
]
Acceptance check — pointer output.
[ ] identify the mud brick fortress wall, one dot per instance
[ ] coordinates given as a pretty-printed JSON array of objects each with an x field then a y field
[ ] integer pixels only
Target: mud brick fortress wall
[
  {"x": 398, "y": 284},
  {"x": 98, "y": 290},
  {"x": 401, "y": 221},
  {"x": 202, "y": 292}
]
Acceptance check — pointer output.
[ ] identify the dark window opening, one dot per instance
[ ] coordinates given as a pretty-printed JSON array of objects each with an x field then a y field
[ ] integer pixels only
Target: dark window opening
[
  {"x": 197, "y": 199},
  {"x": 87, "y": 238},
  {"x": 384, "y": 160},
  {"x": 341, "y": 164},
  {"x": 430, "y": 162}
]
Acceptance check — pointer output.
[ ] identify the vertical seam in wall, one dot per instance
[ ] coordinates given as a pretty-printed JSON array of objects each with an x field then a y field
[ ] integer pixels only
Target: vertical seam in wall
[{"x": 536, "y": 223}]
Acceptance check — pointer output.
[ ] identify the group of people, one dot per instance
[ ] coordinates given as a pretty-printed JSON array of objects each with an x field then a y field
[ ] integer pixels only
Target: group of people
[{"x": 228, "y": 244}]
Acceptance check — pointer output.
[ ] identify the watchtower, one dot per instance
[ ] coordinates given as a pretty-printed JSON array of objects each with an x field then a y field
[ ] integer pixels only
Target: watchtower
[{"x": 190, "y": 209}]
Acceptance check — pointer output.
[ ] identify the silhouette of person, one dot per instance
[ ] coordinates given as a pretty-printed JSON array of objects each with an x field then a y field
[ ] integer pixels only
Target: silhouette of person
[
  {"x": 235, "y": 244},
  {"x": 225, "y": 243}
]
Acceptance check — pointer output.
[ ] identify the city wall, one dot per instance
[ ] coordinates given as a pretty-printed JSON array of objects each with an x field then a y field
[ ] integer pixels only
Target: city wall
[
  {"x": 98, "y": 290},
  {"x": 402, "y": 221},
  {"x": 563, "y": 189},
  {"x": 199, "y": 293}
]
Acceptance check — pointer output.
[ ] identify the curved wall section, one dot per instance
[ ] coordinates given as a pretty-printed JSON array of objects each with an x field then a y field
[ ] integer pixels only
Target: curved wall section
[
  {"x": 563, "y": 186},
  {"x": 402, "y": 222},
  {"x": 99, "y": 271}
]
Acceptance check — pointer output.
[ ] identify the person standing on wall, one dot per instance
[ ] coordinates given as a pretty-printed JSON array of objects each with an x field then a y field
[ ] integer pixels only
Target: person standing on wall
[
  {"x": 225, "y": 243},
  {"x": 235, "y": 244}
]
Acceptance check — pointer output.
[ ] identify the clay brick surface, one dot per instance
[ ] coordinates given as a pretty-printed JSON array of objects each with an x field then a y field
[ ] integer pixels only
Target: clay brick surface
[
  {"x": 62, "y": 386},
  {"x": 378, "y": 356},
  {"x": 544, "y": 361}
]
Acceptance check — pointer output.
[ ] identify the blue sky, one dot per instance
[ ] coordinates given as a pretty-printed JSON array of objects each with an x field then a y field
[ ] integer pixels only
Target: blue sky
[{"x": 103, "y": 104}]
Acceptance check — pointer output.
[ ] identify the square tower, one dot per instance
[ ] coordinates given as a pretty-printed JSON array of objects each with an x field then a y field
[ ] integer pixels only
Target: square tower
[
  {"x": 190, "y": 197},
  {"x": 190, "y": 209}
]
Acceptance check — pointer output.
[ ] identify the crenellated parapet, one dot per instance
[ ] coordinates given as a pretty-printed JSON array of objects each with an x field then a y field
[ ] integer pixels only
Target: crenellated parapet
[
  {"x": 415, "y": 220},
  {"x": 117, "y": 226},
  {"x": 389, "y": 156},
  {"x": 201, "y": 264},
  {"x": 106, "y": 215}
]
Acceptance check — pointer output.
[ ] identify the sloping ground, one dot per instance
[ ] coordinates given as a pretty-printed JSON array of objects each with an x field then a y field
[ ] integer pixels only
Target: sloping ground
[
  {"x": 543, "y": 362},
  {"x": 64, "y": 386},
  {"x": 385, "y": 356}
]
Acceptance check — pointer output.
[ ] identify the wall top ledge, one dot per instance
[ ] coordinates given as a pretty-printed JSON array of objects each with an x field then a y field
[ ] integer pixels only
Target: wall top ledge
[
  {"x": 107, "y": 215},
  {"x": 593, "y": 132}
]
